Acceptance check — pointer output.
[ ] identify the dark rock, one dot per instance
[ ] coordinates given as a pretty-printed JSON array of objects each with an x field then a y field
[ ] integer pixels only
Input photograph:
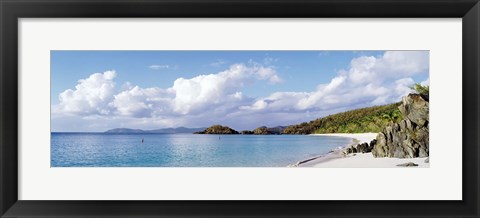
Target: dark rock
[
  {"x": 361, "y": 148},
  {"x": 409, "y": 164},
  {"x": 408, "y": 138},
  {"x": 364, "y": 148},
  {"x": 348, "y": 150},
  {"x": 351, "y": 150}
]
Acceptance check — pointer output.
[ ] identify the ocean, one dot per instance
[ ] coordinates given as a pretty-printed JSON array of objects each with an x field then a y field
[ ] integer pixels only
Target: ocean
[{"x": 186, "y": 150}]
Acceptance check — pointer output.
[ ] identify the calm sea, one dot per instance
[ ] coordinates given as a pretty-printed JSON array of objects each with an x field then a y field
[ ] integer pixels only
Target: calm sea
[{"x": 186, "y": 150}]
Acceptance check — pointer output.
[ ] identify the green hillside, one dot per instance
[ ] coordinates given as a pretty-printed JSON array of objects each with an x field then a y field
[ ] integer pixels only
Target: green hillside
[{"x": 370, "y": 119}]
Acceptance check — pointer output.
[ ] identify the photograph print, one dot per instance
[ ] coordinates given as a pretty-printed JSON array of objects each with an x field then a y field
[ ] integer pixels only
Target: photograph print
[{"x": 259, "y": 108}]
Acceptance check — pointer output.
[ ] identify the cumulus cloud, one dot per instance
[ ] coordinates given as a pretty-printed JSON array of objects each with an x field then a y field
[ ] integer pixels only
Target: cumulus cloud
[
  {"x": 138, "y": 102},
  {"x": 402, "y": 86},
  {"x": 219, "y": 98},
  {"x": 90, "y": 96},
  {"x": 393, "y": 64},
  {"x": 215, "y": 93},
  {"x": 200, "y": 93},
  {"x": 369, "y": 81}
]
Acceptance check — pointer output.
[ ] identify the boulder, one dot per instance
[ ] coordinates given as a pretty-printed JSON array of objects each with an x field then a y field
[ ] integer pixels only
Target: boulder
[
  {"x": 409, "y": 164},
  {"x": 364, "y": 148},
  {"x": 408, "y": 138},
  {"x": 351, "y": 149},
  {"x": 361, "y": 148}
]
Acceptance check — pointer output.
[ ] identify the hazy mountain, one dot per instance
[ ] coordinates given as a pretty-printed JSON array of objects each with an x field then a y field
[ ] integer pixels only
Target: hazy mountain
[
  {"x": 158, "y": 131},
  {"x": 124, "y": 130}
]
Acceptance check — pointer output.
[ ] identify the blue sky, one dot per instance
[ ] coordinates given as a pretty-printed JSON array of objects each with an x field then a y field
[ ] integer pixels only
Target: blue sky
[{"x": 99, "y": 90}]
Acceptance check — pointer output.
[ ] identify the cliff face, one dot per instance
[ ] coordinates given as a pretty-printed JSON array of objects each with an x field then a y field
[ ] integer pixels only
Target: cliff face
[{"x": 410, "y": 137}]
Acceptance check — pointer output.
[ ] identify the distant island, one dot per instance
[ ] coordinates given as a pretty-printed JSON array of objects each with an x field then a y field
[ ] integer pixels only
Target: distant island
[
  {"x": 156, "y": 131},
  {"x": 218, "y": 129},
  {"x": 369, "y": 119},
  {"x": 225, "y": 130}
]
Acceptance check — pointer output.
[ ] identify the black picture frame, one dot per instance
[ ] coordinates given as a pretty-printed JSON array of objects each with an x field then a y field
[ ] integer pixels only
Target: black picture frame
[{"x": 12, "y": 10}]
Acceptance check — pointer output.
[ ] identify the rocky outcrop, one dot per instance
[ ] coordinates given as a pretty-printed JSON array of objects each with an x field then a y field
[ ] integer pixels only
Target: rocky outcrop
[
  {"x": 263, "y": 130},
  {"x": 361, "y": 148},
  {"x": 409, "y": 164},
  {"x": 408, "y": 138},
  {"x": 218, "y": 129},
  {"x": 415, "y": 107},
  {"x": 351, "y": 150},
  {"x": 364, "y": 148},
  {"x": 277, "y": 130},
  {"x": 246, "y": 132}
]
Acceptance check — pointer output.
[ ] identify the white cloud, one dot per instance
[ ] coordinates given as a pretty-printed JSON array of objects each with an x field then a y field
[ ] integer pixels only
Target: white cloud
[
  {"x": 368, "y": 81},
  {"x": 163, "y": 66},
  {"x": 219, "y": 98},
  {"x": 213, "y": 93},
  {"x": 402, "y": 86},
  {"x": 207, "y": 91},
  {"x": 426, "y": 82},
  {"x": 392, "y": 65},
  {"x": 90, "y": 96},
  {"x": 138, "y": 102}
]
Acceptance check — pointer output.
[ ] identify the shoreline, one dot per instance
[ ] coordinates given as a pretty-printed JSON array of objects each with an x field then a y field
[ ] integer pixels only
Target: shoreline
[
  {"x": 338, "y": 152},
  {"x": 338, "y": 158}
]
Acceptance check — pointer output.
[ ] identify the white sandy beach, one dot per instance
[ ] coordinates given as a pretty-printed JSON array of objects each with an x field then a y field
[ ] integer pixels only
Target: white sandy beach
[
  {"x": 361, "y": 137},
  {"x": 337, "y": 159}
]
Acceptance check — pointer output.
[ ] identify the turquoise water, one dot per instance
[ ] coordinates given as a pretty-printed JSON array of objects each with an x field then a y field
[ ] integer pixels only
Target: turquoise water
[{"x": 186, "y": 150}]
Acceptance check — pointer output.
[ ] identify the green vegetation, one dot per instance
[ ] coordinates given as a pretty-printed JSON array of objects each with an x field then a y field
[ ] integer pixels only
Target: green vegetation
[
  {"x": 217, "y": 129},
  {"x": 419, "y": 89},
  {"x": 370, "y": 119},
  {"x": 246, "y": 132},
  {"x": 261, "y": 131}
]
